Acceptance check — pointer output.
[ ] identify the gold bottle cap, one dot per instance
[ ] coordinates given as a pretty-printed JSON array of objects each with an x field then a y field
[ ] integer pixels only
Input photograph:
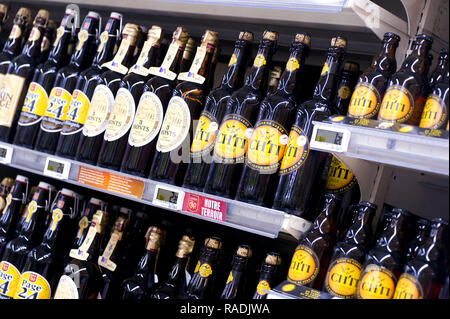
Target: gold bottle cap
[
  {"x": 42, "y": 17},
  {"x": 246, "y": 36},
  {"x": 120, "y": 226},
  {"x": 270, "y": 35},
  {"x": 210, "y": 37},
  {"x": 244, "y": 251},
  {"x": 189, "y": 49},
  {"x": 99, "y": 221},
  {"x": 7, "y": 182},
  {"x": 339, "y": 42},
  {"x": 130, "y": 32},
  {"x": 155, "y": 34},
  {"x": 185, "y": 246},
  {"x": 273, "y": 259},
  {"x": 155, "y": 236},
  {"x": 213, "y": 242},
  {"x": 303, "y": 38},
  {"x": 23, "y": 16},
  {"x": 180, "y": 36}
]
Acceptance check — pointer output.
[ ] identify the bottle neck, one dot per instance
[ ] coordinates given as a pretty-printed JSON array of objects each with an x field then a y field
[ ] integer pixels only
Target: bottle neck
[
  {"x": 147, "y": 264},
  {"x": 360, "y": 232},
  {"x": 416, "y": 62},
  {"x": 60, "y": 50},
  {"x": 392, "y": 238},
  {"x": 234, "y": 76},
  {"x": 289, "y": 79},
  {"x": 60, "y": 213},
  {"x": 259, "y": 72},
  {"x": 15, "y": 39},
  {"x": 177, "y": 273},
  {"x": 326, "y": 87},
  {"x": 239, "y": 264},
  {"x": 108, "y": 40},
  {"x": 325, "y": 223},
  {"x": 434, "y": 247},
  {"x": 205, "y": 66},
  {"x": 85, "y": 44},
  {"x": 94, "y": 248},
  {"x": 33, "y": 46},
  {"x": 35, "y": 208},
  {"x": 385, "y": 61}
]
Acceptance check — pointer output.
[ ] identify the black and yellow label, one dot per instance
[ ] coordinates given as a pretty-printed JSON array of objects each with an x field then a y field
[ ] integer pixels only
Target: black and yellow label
[
  {"x": 435, "y": 113},
  {"x": 342, "y": 277},
  {"x": 233, "y": 60},
  {"x": 397, "y": 105},
  {"x": 259, "y": 61},
  {"x": 32, "y": 286},
  {"x": 376, "y": 282},
  {"x": 344, "y": 92},
  {"x": 292, "y": 64},
  {"x": 304, "y": 266},
  {"x": 261, "y": 287},
  {"x": 340, "y": 178},
  {"x": 76, "y": 114},
  {"x": 10, "y": 90},
  {"x": 34, "y": 106},
  {"x": 296, "y": 151},
  {"x": 408, "y": 287},
  {"x": 55, "y": 114},
  {"x": 365, "y": 101},
  {"x": 205, "y": 135},
  {"x": 205, "y": 270},
  {"x": 9, "y": 279}
]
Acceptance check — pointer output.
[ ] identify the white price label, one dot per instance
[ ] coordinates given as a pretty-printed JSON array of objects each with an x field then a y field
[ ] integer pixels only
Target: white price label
[
  {"x": 5, "y": 154},
  {"x": 334, "y": 139},
  {"x": 57, "y": 168},
  {"x": 168, "y": 197}
]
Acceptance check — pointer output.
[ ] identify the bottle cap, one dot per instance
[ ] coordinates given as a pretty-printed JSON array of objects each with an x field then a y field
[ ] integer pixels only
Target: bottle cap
[
  {"x": 189, "y": 49},
  {"x": 120, "y": 224},
  {"x": 443, "y": 51},
  {"x": 275, "y": 73},
  {"x": 273, "y": 259},
  {"x": 115, "y": 15},
  {"x": 244, "y": 251},
  {"x": 4, "y": 10},
  {"x": 125, "y": 210},
  {"x": 93, "y": 15},
  {"x": 270, "y": 35},
  {"x": 21, "y": 179},
  {"x": 439, "y": 220},
  {"x": 155, "y": 34},
  {"x": 180, "y": 36},
  {"x": 246, "y": 36},
  {"x": 401, "y": 211},
  {"x": 210, "y": 38},
  {"x": 100, "y": 220},
  {"x": 130, "y": 32},
  {"x": 339, "y": 42},
  {"x": 68, "y": 192},
  {"x": 96, "y": 201},
  {"x": 185, "y": 246},
  {"x": 7, "y": 181},
  {"x": 42, "y": 17},
  {"x": 392, "y": 35},
  {"x": 368, "y": 204},
  {"x": 303, "y": 38},
  {"x": 424, "y": 37},
  {"x": 45, "y": 186},
  {"x": 155, "y": 235},
  {"x": 213, "y": 242},
  {"x": 23, "y": 16}
]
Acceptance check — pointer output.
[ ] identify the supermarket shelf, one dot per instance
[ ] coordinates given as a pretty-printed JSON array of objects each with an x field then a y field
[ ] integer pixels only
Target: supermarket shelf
[{"x": 251, "y": 218}]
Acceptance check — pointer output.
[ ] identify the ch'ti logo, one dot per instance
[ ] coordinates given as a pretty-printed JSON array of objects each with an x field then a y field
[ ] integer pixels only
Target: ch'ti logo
[
  {"x": 434, "y": 114},
  {"x": 304, "y": 266},
  {"x": 397, "y": 104},
  {"x": 340, "y": 177},
  {"x": 204, "y": 135},
  {"x": 365, "y": 101},
  {"x": 296, "y": 151},
  {"x": 342, "y": 277},
  {"x": 376, "y": 282},
  {"x": 408, "y": 287}
]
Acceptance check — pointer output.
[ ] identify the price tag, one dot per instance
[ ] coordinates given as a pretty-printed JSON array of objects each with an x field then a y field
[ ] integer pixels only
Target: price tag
[
  {"x": 5, "y": 154},
  {"x": 57, "y": 168},
  {"x": 168, "y": 197},
  {"x": 333, "y": 139}
]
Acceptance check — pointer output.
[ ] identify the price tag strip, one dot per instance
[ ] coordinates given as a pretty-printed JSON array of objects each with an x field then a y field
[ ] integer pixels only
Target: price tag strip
[
  {"x": 168, "y": 197},
  {"x": 5, "y": 154},
  {"x": 205, "y": 206},
  {"x": 334, "y": 139},
  {"x": 57, "y": 168}
]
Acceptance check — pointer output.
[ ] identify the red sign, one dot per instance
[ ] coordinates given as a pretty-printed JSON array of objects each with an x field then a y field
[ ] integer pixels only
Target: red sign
[{"x": 204, "y": 206}]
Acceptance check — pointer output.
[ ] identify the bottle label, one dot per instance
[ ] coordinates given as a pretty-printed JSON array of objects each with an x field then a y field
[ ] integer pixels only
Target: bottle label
[
  {"x": 104, "y": 36},
  {"x": 342, "y": 277},
  {"x": 163, "y": 71},
  {"x": 57, "y": 215},
  {"x": 147, "y": 121},
  {"x": 304, "y": 265},
  {"x": 262, "y": 285},
  {"x": 83, "y": 35},
  {"x": 192, "y": 75},
  {"x": 33, "y": 286},
  {"x": 9, "y": 279},
  {"x": 76, "y": 114},
  {"x": 232, "y": 140},
  {"x": 266, "y": 146},
  {"x": 365, "y": 101},
  {"x": 99, "y": 111},
  {"x": 175, "y": 126},
  {"x": 82, "y": 224},
  {"x": 397, "y": 105},
  {"x": 31, "y": 209},
  {"x": 230, "y": 278},
  {"x": 34, "y": 106},
  {"x": 292, "y": 64},
  {"x": 435, "y": 113},
  {"x": 340, "y": 178},
  {"x": 55, "y": 114},
  {"x": 116, "y": 64},
  {"x": 408, "y": 287},
  {"x": 122, "y": 115},
  {"x": 205, "y": 135},
  {"x": 138, "y": 67},
  {"x": 259, "y": 61},
  {"x": 233, "y": 60},
  {"x": 296, "y": 151},
  {"x": 376, "y": 282},
  {"x": 105, "y": 260},
  {"x": 66, "y": 289},
  {"x": 10, "y": 90},
  {"x": 16, "y": 32},
  {"x": 325, "y": 69},
  {"x": 344, "y": 92},
  {"x": 59, "y": 33},
  {"x": 205, "y": 270}
]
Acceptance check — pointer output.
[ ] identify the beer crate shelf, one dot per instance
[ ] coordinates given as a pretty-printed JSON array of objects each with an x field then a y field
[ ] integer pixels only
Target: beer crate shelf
[{"x": 247, "y": 217}]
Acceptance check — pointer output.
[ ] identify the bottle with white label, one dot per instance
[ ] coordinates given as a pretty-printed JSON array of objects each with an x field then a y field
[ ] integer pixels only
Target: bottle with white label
[
  {"x": 102, "y": 100},
  {"x": 127, "y": 98},
  {"x": 19, "y": 74},
  {"x": 36, "y": 99},
  {"x": 65, "y": 81},
  {"x": 204, "y": 137},
  {"x": 172, "y": 147},
  {"x": 84, "y": 89},
  {"x": 151, "y": 107}
]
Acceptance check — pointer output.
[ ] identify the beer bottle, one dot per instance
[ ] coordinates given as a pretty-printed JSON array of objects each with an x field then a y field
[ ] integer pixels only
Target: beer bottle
[
  {"x": 115, "y": 212},
  {"x": 369, "y": 92},
  {"x": 236, "y": 285},
  {"x": 188, "y": 55},
  {"x": 422, "y": 231},
  {"x": 202, "y": 281},
  {"x": 435, "y": 112},
  {"x": 5, "y": 188},
  {"x": 3, "y": 15},
  {"x": 65, "y": 80},
  {"x": 24, "y": 212},
  {"x": 345, "y": 87},
  {"x": 348, "y": 255},
  {"x": 274, "y": 78},
  {"x": 231, "y": 143},
  {"x": 46, "y": 44},
  {"x": 188, "y": 98},
  {"x": 44, "y": 263},
  {"x": 441, "y": 68},
  {"x": 384, "y": 262},
  {"x": 138, "y": 286},
  {"x": 300, "y": 166},
  {"x": 267, "y": 143},
  {"x": 92, "y": 207},
  {"x": 310, "y": 260},
  {"x": 84, "y": 89},
  {"x": 151, "y": 107},
  {"x": 103, "y": 97},
  {"x": 15, "y": 202},
  {"x": 406, "y": 93},
  {"x": 124, "y": 108},
  {"x": 203, "y": 141},
  {"x": 424, "y": 275},
  {"x": 177, "y": 281},
  {"x": 18, "y": 76},
  {"x": 268, "y": 276},
  {"x": 36, "y": 98}
]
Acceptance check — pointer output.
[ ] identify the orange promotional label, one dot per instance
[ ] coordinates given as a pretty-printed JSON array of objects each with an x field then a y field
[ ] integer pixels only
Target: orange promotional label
[
  {"x": 435, "y": 113},
  {"x": 408, "y": 287},
  {"x": 304, "y": 266},
  {"x": 205, "y": 135},
  {"x": 9, "y": 279},
  {"x": 296, "y": 151},
  {"x": 365, "y": 101},
  {"x": 397, "y": 105},
  {"x": 376, "y": 282},
  {"x": 340, "y": 177},
  {"x": 342, "y": 277}
]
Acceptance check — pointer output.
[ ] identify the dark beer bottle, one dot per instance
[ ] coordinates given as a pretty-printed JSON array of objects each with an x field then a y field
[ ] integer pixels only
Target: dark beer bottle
[
  {"x": 384, "y": 262},
  {"x": 231, "y": 143},
  {"x": 205, "y": 134},
  {"x": 18, "y": 76},
  {"x": 188, "y": 98},
  {"x": 138, "y": 286},
  {"x": 36, "y": 99},
  {"x": 127, "y": 98},
  {"x": 92, "y": 207},
  {"x": 65, "y": 81},
  {"x": 5, "y": 188},
  {"x": 300, "y": 167},
  {"x": 103, "y": 97},
  {"x": 44, "y": 263},
  {"x": 345, "y": 87},
  {"x": 177, "y": 281},
  {"x": 236, "y": 285},
  {"x": 268, "y": 141},
  {"x": 348, "y": 255},
  {"x": 268, "y": 276},
  {"x": 422, "y": 231},
  {"x": 425, "y": 274},
  {"x": 441, "y": 68},
  {"x": 369, "y": 92},
  {"x": 407, "y": 89},
  {"x": 311, "y": 257},
  {"x": 202, "y": 281},
  {"x": 46, "y": 44},
  {"x": 274, "y": 78},
  {"x": 84, "y": 89}
]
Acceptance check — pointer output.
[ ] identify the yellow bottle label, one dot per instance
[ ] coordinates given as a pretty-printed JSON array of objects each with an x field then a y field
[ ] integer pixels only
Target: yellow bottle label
[
  {"x": 78, "y": 107},
  {"x": 31, "y": 209},
  {"x": 292, "y": 64},
  {"x": 66, "y": 289},
  {"x": 304, "y": 266},
  {"x": 266, "y": 146},
  {"x": 147, "y": 121},
  {"x": 344, "y": 92},
  {"x": 340, "y": 178},
  {"x": 435, "y": 113},
  {"x": 376, "y": 282},
  {"x": 197, "y": 266},
  {"x": 10, "y": 90},
  {"x": 232, "y": 139},
  {"x": 16, "y": 32},
  {"x": 408, "y": 287},
  {"x": 59, "y": 34},
  {"x": 83, "y": 35},
  {"x": 230, "y": 278},
  {"x": 32, "y": 286},
  {"x": 259, "y": 61},
  {"x": 205, "y": 270},
  {"x": 262, "y": 285},
  {"x": 365, "y": 101},
  {"x": 205, "y": 135},
  {"x": 342, "y": 277},
  {"x": 296, "y": 151},
  {"x": 325, "y": 69},
  {"x": 233, "y": 60},
  {"x": 9, "y": 279},
  {"x": 99, "y": 111},
  {"x": 57, "y": 215},
  {"x": 55, "y": 114},
  {"x": 122, "y": 115},
  {"x": 34, "y": 106},
  {"x": 397, "y": 105},
  {"x": 103, "y": 39},
  {"x": 82, "y": 224}
]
